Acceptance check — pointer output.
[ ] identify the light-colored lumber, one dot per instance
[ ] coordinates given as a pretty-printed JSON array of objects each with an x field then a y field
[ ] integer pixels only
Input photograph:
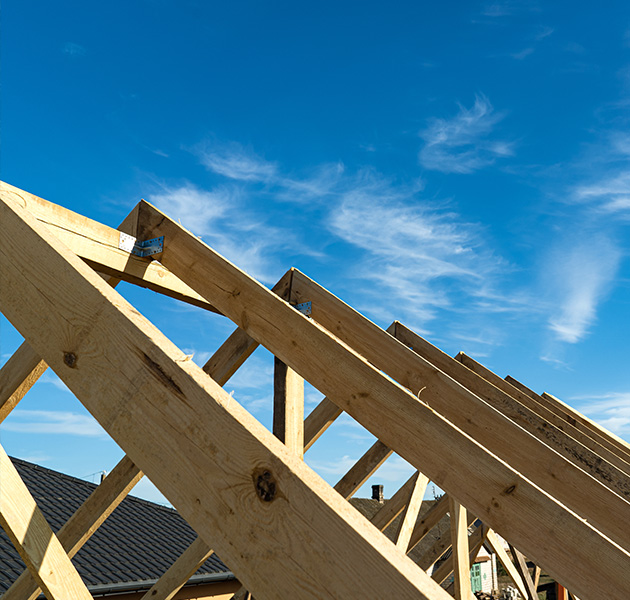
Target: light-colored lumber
[
  {"x": 459, "y": 540},
  {"x": 17, "y": 376},
  {"x": 410, "y": 514},
  {"x": 84, "y": 522},
  {"x": 263, "y": 509},
  {"x": 395, "y": 505},
  {"x": 288, "y": 407},
  {"x": 441, "y": 544},
  {"x": 319, "y": 420},
  {"x": 497, "y": 493},
  {"x": 559, "y": 422},
  {"x": 230, "y": 356},
  {"x": 363, "y": 469},
  {"x": 428, "y": 521},
  {"x": 559, "y": 477},
  {"x": 536, "y": 578},
  {"x": 97, "y": 244},
  {"x": 521, "y": 566},
  {"x": 33, "y": 538},
  {"x": 573, "y": 417},
  {"x": 174, "y": 579},
  {"x": 596, "y": 431},
  {"x": 575, "y": 479},
  {"x": 594, "y": 427},
  {"x": 497, "y": 547},
  {"x": 475, "y": 541}
]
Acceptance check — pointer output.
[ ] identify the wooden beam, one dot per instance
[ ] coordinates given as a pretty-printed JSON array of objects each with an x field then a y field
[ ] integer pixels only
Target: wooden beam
[
  {"x": 17, "y": 376},
  {"x": 461, "y": 563},
  {"x": 410, "y": 515},
  {"x": 497, "y": 493},
  {"x": 288, "y": 407},
  {"x": 174, "y": 579},
  {"x": 33, "y": 538},
  {"x": 571, "y": 414},
  {"x": 319, "y": 420},
  {"x": 227, "y": 475},
  {"x": 602, "y": 452},
  {"x": 521, "y": 566},
  {"x": 574, "y": 479},
  {"x": 428, "y": 521},
  {"x": 395, "y": 505},
  {"x": 363, "y": 469},
  {"x": 441, "y": 544},
  {"x": 475, "y": 541},
  {"x": 84, "y": 522},
  {"x": 98, "y": 244},
  {"x": 497, "y": 547}
]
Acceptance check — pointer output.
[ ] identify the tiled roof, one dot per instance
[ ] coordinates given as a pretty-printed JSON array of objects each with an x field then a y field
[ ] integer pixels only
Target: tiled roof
[{"x": 132, "y": 548}]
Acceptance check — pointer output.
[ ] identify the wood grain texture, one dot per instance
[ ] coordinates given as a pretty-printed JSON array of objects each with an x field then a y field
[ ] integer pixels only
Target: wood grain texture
[
  {"x": 268, "y": 515},
  {"x": 84, "y": 522},
  {"x": 363, "y": 469},
  {"x": 176, "y": 576},
  {"x": 17, "y": 376},
  {"x": 33, "y": 538},
  {"x": 497, "y": 493},
  {"x": 459, "y": 539},
  {"x": 97, "y": 244},
  {"x": 521, "y": 566},
  {"x": 497, "y": 547},
  {"x": 288, "y": 407},
  {"x": 410, "y": 514},
  {"x": 602, "y": 501},
  {"x": 600, "y": 432},
  {"x": 604, "y": 453}
]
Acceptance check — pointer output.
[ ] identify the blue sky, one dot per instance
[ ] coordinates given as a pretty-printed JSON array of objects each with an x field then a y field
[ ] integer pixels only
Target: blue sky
[{"x": 462, "y": 167}]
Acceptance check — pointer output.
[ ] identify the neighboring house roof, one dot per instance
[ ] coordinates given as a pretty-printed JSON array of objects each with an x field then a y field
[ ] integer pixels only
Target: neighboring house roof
[{"x": 130, "y": 551}]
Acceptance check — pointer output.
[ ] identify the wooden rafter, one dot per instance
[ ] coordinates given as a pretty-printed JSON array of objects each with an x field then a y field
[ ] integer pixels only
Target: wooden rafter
[
  {"x": 449, "y": 425},
  {"x": 500, "y": 495},
  {"x": 33, "y": 538}
]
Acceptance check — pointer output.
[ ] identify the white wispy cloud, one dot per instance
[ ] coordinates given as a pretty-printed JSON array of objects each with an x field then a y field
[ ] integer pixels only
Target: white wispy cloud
[
  {"x": 508, "y": 8},
  {"x": 412, "y": 248},
  {"x": 53, "y": 422},
  {"x": 236, "y": 162},
  {"x": 226, "y": 220},
  {"x": 611, "y": 193},
  {"x": 74, "y": 49},
  {"x": 611, "y": 410},
  {"x": 580, "y": 275},
  {"x": 463, "y": 144}
]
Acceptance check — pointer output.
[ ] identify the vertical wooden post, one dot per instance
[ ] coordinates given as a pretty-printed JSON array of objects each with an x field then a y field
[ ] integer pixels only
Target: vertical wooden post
[
  {"x": 459, "y": 540},
  {"x": 561, "y": 592},
  {"x": 288, "y": 407}
]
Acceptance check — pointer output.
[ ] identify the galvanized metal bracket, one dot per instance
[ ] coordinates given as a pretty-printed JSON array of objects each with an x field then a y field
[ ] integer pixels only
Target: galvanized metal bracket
[
  {"x": 305, "y": 308},
  {"x": 128, "y": 243}
]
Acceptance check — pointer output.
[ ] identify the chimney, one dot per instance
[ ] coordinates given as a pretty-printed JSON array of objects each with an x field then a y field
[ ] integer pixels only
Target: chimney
[
  {"x": 103, "y": 475},
  {"x": 377, "y": 493}
]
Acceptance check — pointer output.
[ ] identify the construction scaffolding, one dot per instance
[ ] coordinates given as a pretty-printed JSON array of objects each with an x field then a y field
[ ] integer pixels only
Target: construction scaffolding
[{"x": 545, "y": 478}]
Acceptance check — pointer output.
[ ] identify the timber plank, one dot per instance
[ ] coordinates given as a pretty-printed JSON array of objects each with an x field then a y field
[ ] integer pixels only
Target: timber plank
[
  {"x": 410, "y": 515},
  {"x": 495, "y": 543},
  {"x": 363, "y": 469},
  {"x": 17, "y": 376},
  {"x": 214, "y": 461},
  {"x": 33, "y": 538},
  {"x": 459, "y": 540},
  {"x": 501, "y": 496},
  {"x": 605, "y": 454},
  {"x": 176, "y": 576},
  {"x": 84, "y": 522},
  {"x": 97, "y": 244},
  {"x": 607, "y": 475}
]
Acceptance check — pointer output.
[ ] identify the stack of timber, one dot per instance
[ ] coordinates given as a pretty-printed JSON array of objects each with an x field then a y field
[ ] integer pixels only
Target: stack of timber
[{"x": 517, "y": 464}]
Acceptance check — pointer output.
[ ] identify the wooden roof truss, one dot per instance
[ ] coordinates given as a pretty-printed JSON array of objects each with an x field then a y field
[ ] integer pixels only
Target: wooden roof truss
[{"x": 526, "y": 466}]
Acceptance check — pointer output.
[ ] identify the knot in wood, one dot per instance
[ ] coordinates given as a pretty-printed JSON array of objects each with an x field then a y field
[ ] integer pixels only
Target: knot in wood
[
  {"x": 70, "y": 359},
  {"x": 266, "y": 486}
]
